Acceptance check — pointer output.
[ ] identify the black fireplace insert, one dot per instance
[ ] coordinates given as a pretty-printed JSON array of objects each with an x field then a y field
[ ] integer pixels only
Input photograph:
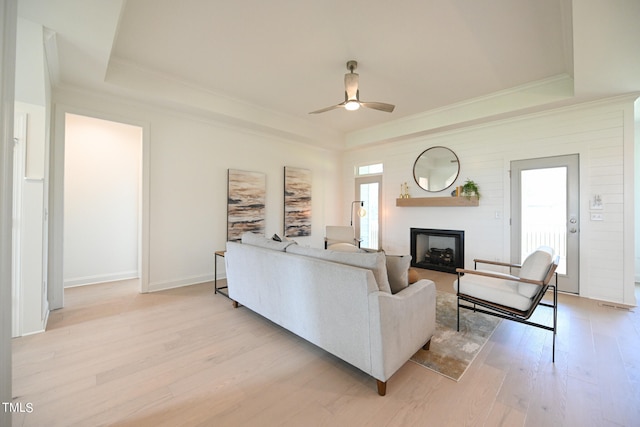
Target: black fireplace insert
[{"x": 434, "y": 249}]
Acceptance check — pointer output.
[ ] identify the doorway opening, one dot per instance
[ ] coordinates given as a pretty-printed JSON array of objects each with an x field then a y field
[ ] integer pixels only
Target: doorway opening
[{"x": 102, "y": 201}]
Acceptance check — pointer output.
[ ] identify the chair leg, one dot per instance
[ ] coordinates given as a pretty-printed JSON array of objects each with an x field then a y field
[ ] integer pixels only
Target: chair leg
[
  {"x": 458, "y": 304},
  {"x": 382, "y": 387},
  {"x": 427, "y": 345},
  {"x": 555, "y": 305},
  {"x": 555, "y": 320},
  {"x": 458, "y": 315}
]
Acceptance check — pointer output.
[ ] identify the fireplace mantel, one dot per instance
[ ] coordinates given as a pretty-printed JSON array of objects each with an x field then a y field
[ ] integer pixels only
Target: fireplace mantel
[{"x": 437, "y": 201}]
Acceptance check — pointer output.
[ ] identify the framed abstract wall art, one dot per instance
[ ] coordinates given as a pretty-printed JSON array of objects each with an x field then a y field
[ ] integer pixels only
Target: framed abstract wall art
[
  {"x": 297, "y": 202},
  {"x": 245, "y": 203}
]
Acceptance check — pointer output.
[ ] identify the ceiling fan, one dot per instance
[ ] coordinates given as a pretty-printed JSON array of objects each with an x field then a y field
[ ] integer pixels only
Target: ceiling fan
[{"x": 352, "y": 94}]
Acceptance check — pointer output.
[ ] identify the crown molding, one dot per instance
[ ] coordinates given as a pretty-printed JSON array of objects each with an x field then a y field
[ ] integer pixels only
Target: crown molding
[
  {"x": 475, "y": 110},
  {"x": 151, "y": 87}
]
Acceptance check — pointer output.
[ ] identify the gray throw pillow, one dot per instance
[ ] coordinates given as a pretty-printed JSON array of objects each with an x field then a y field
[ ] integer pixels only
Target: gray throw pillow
[
  {"x": 398, "y": 271},
  {"x": 373, "y": 261}
]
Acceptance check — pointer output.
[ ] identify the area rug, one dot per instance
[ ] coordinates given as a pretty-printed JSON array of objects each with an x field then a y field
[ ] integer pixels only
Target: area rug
[{"x": 452, "y": 352}]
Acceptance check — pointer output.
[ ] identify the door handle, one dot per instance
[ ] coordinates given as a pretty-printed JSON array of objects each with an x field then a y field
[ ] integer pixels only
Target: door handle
[{"x": 573, "y": 220}]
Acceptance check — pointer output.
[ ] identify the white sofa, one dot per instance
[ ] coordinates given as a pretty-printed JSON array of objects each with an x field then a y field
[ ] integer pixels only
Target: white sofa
[{"x": 341, "y": 308}]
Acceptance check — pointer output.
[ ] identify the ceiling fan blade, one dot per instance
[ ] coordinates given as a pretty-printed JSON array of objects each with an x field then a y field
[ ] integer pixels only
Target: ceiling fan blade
[
  {"x": 381, "y": 106},
  {"x": 352, "y": 94},
  {"x": 333, "y": 107}
]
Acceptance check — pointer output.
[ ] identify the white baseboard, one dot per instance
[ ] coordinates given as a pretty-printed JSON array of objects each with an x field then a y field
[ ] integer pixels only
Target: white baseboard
[
  {"x": 92, "y": 280},
  {"x": 186, "y": 281},
  {"x": 26, "y": 334}
]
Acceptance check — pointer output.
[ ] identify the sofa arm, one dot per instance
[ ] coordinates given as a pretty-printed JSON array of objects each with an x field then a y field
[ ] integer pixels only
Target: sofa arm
[
  {"x": 414, "y": 288},
  {"x": 400, "y": 325}
]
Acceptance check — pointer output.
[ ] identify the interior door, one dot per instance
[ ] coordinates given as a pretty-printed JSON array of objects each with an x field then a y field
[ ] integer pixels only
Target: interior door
[{"x": 545, "y": 210}]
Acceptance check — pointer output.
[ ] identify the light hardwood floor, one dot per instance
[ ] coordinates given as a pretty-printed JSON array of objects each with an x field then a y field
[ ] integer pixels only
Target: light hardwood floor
[{"x": 185, "y": 357}]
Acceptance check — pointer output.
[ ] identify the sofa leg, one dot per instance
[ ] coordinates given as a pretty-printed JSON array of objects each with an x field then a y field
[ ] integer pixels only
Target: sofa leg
[
  {"x": 235, "y": 304},
  {"x": 382, "y": 387},
  {"x": 427, "y": 345}
]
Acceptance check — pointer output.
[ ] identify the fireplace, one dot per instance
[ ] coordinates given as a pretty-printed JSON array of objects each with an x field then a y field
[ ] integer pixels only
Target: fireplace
[{"x": 440, "y": 250}]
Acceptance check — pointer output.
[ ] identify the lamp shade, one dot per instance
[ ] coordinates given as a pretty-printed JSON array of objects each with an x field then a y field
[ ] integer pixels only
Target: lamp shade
[{"x": 361, "y": 211}]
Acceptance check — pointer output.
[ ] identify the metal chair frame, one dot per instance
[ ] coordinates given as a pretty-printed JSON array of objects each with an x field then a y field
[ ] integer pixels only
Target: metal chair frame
[{"x": 510, "y": 313}]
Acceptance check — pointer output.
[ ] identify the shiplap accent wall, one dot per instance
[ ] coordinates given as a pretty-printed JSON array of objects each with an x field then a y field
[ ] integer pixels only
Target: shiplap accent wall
[{"x": 598, "y": 132}]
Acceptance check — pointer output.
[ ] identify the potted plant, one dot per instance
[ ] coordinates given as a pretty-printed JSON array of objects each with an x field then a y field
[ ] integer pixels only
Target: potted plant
[{"x": 470, "y": 189}]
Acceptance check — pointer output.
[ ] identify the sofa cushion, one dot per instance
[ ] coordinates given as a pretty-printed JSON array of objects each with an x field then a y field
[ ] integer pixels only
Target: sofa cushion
[
  {"x": 535, "y": 267},
  {"x": 345, "y": 247},
  {"x": 504, "y": 292},
  {"x": 255, "y": 239},
  {"x": 398, "y": 271},
  {"x": 374, "y": 261},
  {"x": 306, "y": 251}
]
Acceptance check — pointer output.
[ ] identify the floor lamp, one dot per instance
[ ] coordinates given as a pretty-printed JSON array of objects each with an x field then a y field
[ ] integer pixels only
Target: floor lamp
[{"x": 361, "y": 210}]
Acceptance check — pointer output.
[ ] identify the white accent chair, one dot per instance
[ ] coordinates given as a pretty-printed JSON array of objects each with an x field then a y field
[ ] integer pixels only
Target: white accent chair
[
  {"x": 337, "y": 234},
  {"x": 509, "y": 296}
]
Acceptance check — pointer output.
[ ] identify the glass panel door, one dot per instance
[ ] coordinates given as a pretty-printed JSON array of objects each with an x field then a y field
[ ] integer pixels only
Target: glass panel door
[
  {"x": 545, "y": 210},
  {"x": 368, "y": 229}
]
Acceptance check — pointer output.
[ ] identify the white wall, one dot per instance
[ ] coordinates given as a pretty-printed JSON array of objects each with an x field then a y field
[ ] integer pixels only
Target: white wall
[
  {"x": 601, "y": 133},
  {"x": 101, "y": 200},
  {"x": 30, "y": 68},
  {"x": 188, "y": 158}
]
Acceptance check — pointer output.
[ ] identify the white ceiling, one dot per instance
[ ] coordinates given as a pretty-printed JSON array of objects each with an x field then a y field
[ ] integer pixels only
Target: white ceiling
[{"x": 289, "y": 56}]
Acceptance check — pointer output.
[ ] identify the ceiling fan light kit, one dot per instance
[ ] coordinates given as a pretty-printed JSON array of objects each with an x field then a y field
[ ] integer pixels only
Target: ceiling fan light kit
[
  {"x": 352, "y": 94},
  {"x": 352, "y": 105}
]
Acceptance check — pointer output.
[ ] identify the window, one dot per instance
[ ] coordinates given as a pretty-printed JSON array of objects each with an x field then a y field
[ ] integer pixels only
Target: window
[{"x": 370, "y": 169}]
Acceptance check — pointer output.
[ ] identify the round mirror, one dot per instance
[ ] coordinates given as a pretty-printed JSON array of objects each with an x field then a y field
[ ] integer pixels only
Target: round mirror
[{"x": 436, "y": 169}]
